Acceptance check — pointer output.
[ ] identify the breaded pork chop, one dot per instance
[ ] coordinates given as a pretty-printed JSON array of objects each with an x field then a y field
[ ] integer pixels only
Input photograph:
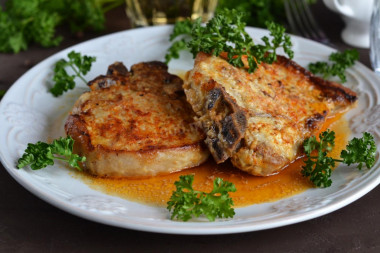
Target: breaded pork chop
[
  {"x": 260, "y": 120},
  {"x": 136, "y": 123}
]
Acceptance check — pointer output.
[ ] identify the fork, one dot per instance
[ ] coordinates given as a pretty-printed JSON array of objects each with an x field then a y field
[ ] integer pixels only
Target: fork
[{"x": 302, "y": 21}]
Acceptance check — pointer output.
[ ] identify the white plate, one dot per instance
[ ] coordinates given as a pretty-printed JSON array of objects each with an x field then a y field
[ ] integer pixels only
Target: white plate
[{"x": 29, "y": 113}]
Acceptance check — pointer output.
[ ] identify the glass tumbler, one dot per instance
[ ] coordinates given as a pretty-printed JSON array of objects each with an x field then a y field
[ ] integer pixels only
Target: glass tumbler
[
  {"x": 375, "y": 37},
  {"x": 161, "y": 12}
]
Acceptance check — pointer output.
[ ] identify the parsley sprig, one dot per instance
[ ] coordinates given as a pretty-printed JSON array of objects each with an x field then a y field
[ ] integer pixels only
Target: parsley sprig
[
  {"x": 225, "y": 33},
  {"x": 318, "y": 167},
  {"x": 63, "y": 82},
  {"x": 337, "y": 66},
  {"x": 186, "y": 202},
  {"x": 181, "y": 28},
  {"x": 41, "y": 154}
]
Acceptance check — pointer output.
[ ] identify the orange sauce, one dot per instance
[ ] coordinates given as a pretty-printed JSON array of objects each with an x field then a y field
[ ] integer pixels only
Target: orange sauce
[{"x": 250, "y": 189}]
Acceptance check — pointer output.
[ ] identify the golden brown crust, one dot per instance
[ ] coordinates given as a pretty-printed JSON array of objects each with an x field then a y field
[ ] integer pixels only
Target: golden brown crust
[
  {"x": 282, "y": 102},
  {"x": 333, "y": 90}
]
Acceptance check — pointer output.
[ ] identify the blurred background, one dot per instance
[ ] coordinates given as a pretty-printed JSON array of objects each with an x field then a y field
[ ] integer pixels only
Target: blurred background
[
  {"x": 47, "y": 23},
  {"x": 32, "y": 30}
]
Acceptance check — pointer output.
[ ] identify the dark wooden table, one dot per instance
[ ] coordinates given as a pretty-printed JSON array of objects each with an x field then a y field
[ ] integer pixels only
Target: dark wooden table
[{"x": 28, "y": 224}]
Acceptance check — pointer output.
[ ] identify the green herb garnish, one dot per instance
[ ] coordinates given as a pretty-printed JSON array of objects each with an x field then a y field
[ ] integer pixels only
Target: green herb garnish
[
  {"x": 339, "y": 62},
  {"x": 225, "y": 33},
  {"x": 180, "y": 28},
  {"x": 319, "y": 167},
  {"x": 24, "y": 22},
  {"x": 186, "y": 202},
  {"x": 62, "y": 80},
  {"x": 42, "y": 154},
  {"x": 2, "y": 93}
]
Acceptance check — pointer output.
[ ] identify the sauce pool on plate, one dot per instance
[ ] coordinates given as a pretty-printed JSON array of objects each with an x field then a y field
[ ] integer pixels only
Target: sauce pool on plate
[{"x": 250, "y": 189}]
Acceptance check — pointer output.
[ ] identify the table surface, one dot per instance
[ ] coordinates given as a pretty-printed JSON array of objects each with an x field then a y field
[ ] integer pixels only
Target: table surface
[{"x": 28, "y": 224}]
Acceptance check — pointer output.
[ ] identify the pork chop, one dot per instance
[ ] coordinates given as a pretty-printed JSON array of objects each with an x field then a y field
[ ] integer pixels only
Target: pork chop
[
  {"x": 135, "y": 124},
  {"x": 260, "y": 120}
]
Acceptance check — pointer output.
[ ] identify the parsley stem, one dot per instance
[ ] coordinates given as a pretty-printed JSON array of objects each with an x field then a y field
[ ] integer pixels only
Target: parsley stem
[
  {"x": 335, "y": 160},
  {"x": 318, "y": 168},
  {"x": 61, "y": 158},
  {"x": 77, "y": 72}
]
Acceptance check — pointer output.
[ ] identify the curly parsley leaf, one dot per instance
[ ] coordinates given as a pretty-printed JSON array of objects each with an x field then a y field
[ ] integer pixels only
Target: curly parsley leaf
[
  {"x": 63, "y": 82},
  {"x": 339, "y": 62},
  {"x": 42, "y": 29},
  {"x": 326, "y": 143},
  {"x": 280, "y": 39},
  {"x": 225, "y": 33},
  {"x": 186, "y": 202},
  {"x": 181, "y": 28},
  {"x": 12, "y": 38},
  {"x": 24, "y": 22},
  {"x": 175, "y": 48},
  {"x": 41, "y": 154},
  {"x": 319, "y": 167},
  {"x": 360, "y": 151}
]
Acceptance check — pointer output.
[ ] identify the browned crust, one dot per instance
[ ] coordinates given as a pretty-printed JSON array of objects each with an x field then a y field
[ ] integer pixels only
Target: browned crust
[
  {"x": 145, "y": 76},
  {"x": 155, "y": 70},
  {"x": 333, "y": 90},
  {"x": 75, "y": 127},
  {"x": 102, "y": 82},
  {"x": 330, "y": 89},
  {"x": 117, "y": 68}
]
